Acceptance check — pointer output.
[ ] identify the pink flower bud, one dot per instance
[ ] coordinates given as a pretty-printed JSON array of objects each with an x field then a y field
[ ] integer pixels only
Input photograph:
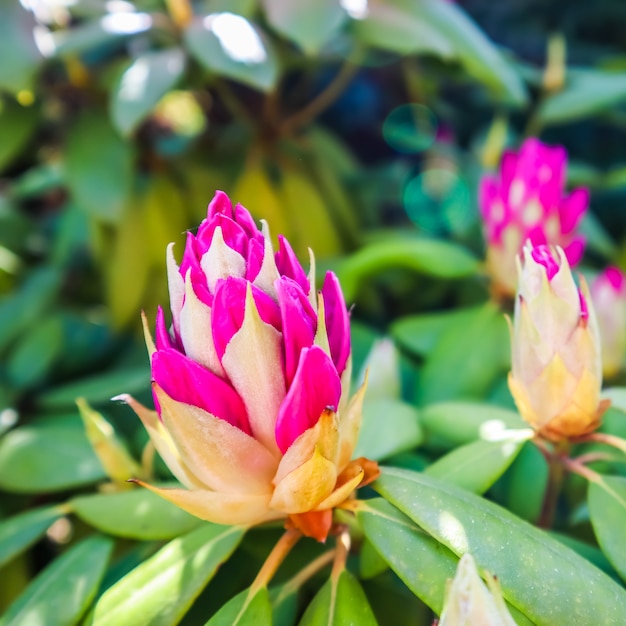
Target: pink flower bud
[
  {"x": 525, "y": 201},
  {"x": 556, "y": 374},
  {"x": 251, "y": 381},
  {"x": 608, "y": 292}
]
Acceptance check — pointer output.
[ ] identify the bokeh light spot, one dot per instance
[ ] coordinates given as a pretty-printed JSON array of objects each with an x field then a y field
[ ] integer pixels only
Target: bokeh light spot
[{"x": 410, "y": 128}]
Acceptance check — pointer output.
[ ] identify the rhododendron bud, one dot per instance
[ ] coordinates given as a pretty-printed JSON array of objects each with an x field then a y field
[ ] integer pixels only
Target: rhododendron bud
[
  {"x": 608, "y": 292},
  {"x": 469, "y": 602},
  {"x": 557, "y": 373},
  {"x": 525, "y": 201},
  {"x": 251, "y": 381}
]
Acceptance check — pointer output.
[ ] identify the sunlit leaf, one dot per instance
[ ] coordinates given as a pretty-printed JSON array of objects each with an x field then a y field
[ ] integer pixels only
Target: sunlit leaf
[
  {"x": 46, "y": 457},
  {"x": 243, "y": 610},
  {"x": 20, "y": 531},
  {"x": 546, "y": 581},
  {"x": 150, "y": 76},
  {"x": 231, "y": 46},
  {"x": 62, "y": 592},
  {"x": 607, "y": 508},
  {"x": 136, "y": 514},
  {"x": 308, "y": 23},
  {"x": 475, "y": 466},
  {"x": 98, "y": 167},
  {"x": 160, "y": 590}
]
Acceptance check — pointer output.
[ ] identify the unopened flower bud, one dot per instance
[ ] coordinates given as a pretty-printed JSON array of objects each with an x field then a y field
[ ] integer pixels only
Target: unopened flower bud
[{"x": 556, "y": 372}]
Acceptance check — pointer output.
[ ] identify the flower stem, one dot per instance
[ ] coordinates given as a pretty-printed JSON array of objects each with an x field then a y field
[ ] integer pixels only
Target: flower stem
[
  {"x": 341, "y": 553},
  {"x": 555, "y": 481},
  {"x": 610, "y": 440},
  {"x": 305, "y": 574},
  {"x": 275, "y": 559}
]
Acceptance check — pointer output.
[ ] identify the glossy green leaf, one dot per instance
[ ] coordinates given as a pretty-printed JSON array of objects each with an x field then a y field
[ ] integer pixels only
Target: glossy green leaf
[
  {"x": 20, "y": 310},
  {"x": 64, "y": 590},
  {"x": 231, "y": 46},
  {"x": 161, "y": 589},
  {"x": 607, "y": 508},
  {"x": 308, "y": 23},
  {"x": 99, "y": 179},
  {"x": 477, "y": 465},
  {"x": 419, "y": 333},
  {"x": 371, "y": 564},
  {"x": 593, "y": 554},
  {"x": 136, "y": 514},
  {"x": 396, "y": 26},
  {"x": 47, "y": 457},
  {"x": 387, "y": 428},
  {"x": 17, "y": 124},
  {"x": 19, "y": 532},
  {"x": 546, "y": 581},
  {"x": 35, "y": 354},
  {"x": 341, "y": 602},
  {"x": 467, "y": 359},
  {"x": 474, "y": 50},
  {"x": 98, "y": 388},
  {"x": 17, "y": 43},
  {"x": 440, "y": 259},
  {"x": 450, "y": 424},
  {"x": 150, "y": 76},
  {"x": 617, "y": 396},
  {"x": 245, "y": 611},
  {"x": 587, "y": 92}
]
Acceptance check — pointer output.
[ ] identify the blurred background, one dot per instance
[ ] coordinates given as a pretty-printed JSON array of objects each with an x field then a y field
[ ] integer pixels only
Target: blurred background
[{"x": 358, "y": 128}]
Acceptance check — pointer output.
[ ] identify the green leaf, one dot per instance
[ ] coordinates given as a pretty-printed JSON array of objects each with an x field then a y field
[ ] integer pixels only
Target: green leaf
[
  {"x": 419, "y": 333},
  {"x": 64, "y": 590},
  {"x": 20, "y": 531},
  {"x": 17, "y": 124},
  {"x": 245, "y": 611},
  {"x": 17, "y": 43},
  {"x": 98, "y": 167},
  {"x": 341, "y": 602},
  {"x": 475, "y": 466},
  {"x": 617, "y": 396},
  {"x": 451, "y": 424},
  {"x": 308, "y": 23},
  {"x": 97, "y": 389},
  {"x": 136, "y": 514},
  {"x": 587, "y": 92},
  {"x": 35, "y": 355},
  {"x": 607, "y": 508},
  {"x": 21, "y": 310},
  {"x": 440, "y": 259},
  {"x": 476, "y": 351},
  {"x": 230, "y": 45},
  {"x": 546, "y": 581},
  {"x": 161, "y": 589},
  {"x": 46, "y": 457},
  {"x": 401, "y": 429},
  {"x": 150, "y": 76}
]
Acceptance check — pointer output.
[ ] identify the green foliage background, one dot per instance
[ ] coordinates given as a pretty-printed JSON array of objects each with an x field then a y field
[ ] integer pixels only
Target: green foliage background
[{"x": 361, "y": 135}]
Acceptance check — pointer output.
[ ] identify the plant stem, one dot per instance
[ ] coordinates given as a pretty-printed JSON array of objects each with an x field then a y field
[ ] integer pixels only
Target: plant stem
[
  {"x": 341, "y": 553},
  {"x": 305, "y": 573},
  {"x": 555, "y": 481},
  {"x": 610, "y": 440},
  {"x": 275, "y": 559}
]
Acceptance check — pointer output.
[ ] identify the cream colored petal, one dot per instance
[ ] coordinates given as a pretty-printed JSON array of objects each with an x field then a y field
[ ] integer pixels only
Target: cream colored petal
[
  {"x": 147, "y": 335},
  {"x": 342, "y": 492},
  {"x": 221, "y": 455},
  {"x": 269, "y": 272},
  {"x": 324, "y": 435},
  {"x": 253, "y": 364},
  {"x": 551, "y": 392},
  {"x": 346, "y": 380},
  {"x": 221, "y": 261},
  {"x": 522, "y": 402},
  {"x": 321, "y": 334},
  {"x": 195, "y": 330},
  {"x": 163, "y": 442},
  {"x": 349, "y": 425},
  {"x": 304, "y": 488},
  {"x": 219, "y": 508},
  {"x": 176, "y": 286}
]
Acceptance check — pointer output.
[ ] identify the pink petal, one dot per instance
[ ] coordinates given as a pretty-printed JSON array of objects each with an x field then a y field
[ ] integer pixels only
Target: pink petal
[
  {"x": 220, "y": 204},
  {"x": 228, "y": 310},
  {"x": 288, "y": 264},
  {"x": 574, "y": 250},
  {"x": 256, "y": 250},
  {"x": 186, "y": 381},
  {"x": 234, "y": 235},
  {"x": 244, "y": 219},
  {"x": 572, "y": 209},
  {"x": 163, "y": 339},
  {"x": 488, "y": 193},
  {"x": 508, "y": 170},
  {"x": 299, "y": 322},
  {"x": 190, "y": 262},
  {"x": 616, "y": 278},
  {"x": 337, "y": 321},
  {"x": 543, "y": 255},
  {"x": 315, "y": 387}
]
